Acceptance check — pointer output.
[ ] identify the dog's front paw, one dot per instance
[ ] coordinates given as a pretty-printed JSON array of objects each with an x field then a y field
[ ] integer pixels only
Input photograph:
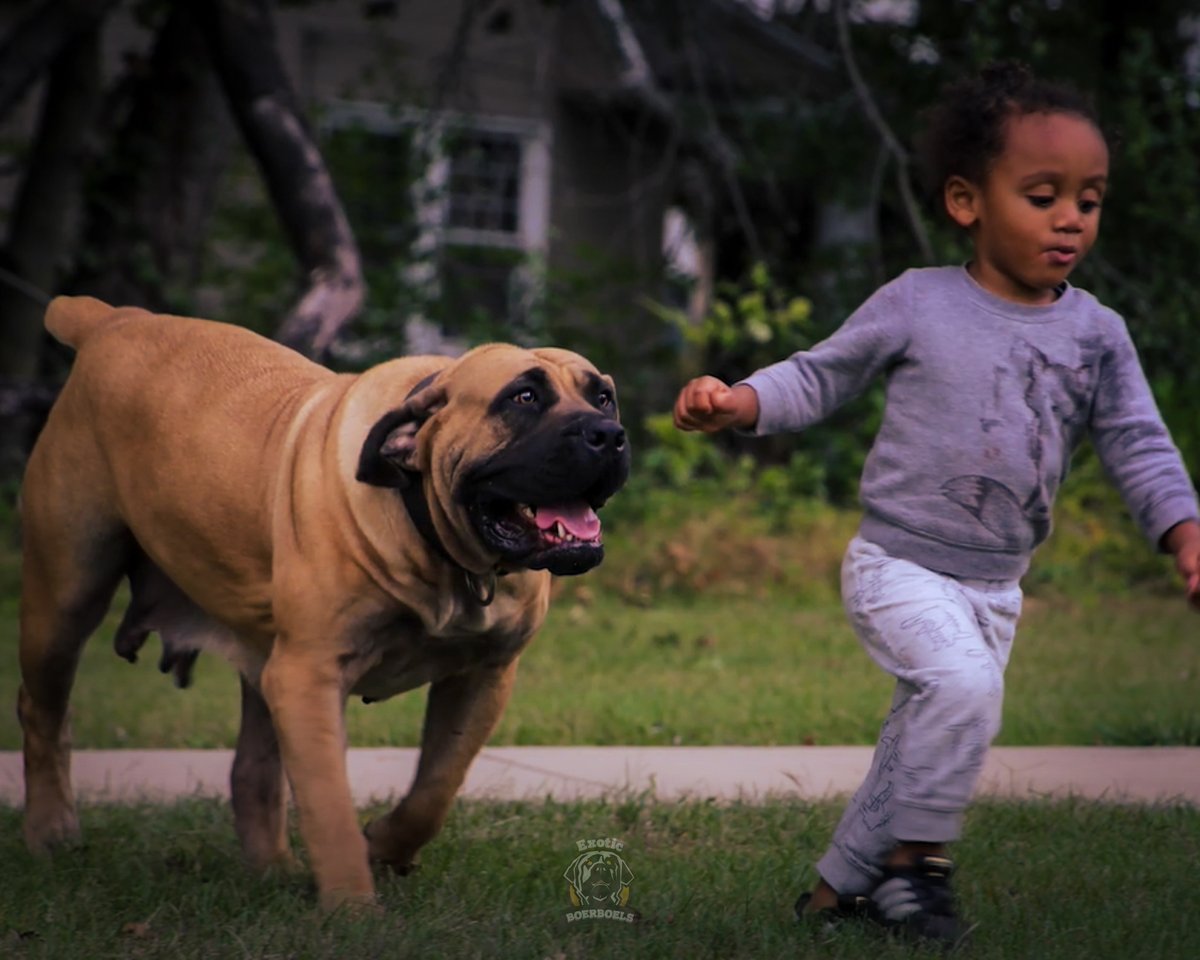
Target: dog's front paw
[
  {"x": 385, "y": 850},
  {"x": 346, "y": 903},
  {"x": 282, "y": 864},
  {"x": 398, "y": 867}
]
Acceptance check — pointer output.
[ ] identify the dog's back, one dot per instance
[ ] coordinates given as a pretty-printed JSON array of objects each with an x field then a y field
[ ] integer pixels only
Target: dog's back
[
  {"x": 138, "y": 345},
  {"x": 166, "y": 388}
]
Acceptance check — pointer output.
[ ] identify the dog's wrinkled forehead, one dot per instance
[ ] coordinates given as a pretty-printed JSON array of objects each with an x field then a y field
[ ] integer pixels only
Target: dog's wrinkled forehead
[{"x": 489, "y": 374}]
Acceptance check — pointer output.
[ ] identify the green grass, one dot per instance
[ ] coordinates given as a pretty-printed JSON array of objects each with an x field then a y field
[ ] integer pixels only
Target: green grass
[
  {"x": 715, "y": 624},
  {"x": 1046, "y": 881},
  {"x": 711, "y": 672},
  {"x": 721, "y": 628}
]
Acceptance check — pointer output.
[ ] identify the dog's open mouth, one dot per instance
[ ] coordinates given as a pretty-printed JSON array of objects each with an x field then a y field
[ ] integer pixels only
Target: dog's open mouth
[
  {"x": 534, "y": 504},
  {"x": 563, "y": 521},
  {"x": 564, "y": 538}
]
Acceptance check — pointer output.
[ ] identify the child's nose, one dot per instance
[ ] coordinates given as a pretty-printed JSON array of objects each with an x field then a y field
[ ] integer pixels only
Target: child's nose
[{"x": 1068, "y": 218}]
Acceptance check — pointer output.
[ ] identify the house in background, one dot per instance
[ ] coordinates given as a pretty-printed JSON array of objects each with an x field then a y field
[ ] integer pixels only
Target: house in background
[
  {"x": 482, "y": 146},
  {"x": 495, "y": 142}
]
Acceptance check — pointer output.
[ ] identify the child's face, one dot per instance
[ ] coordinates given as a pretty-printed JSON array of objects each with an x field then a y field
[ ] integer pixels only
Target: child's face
[{"x": 1037, "y": 213}]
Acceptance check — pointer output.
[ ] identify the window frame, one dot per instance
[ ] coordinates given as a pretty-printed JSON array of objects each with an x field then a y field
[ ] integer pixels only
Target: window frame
[{"x": 431, "y": 198}]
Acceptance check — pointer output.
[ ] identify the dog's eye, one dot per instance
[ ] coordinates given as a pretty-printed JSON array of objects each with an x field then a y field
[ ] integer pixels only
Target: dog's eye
[
  {"x": 604, "y": 400},
  {"x": 524, "y": 397}
]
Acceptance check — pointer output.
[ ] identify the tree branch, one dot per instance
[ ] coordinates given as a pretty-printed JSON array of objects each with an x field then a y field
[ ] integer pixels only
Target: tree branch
[
  {"x": 719, "y": 147},
  {"x": 168, "y": 136},
  {"x": 38, "y": 235},
  {"x": 49, "y": 193},
  {"x": 241, "y": 38},
  {"x": 875, "y": 117}
]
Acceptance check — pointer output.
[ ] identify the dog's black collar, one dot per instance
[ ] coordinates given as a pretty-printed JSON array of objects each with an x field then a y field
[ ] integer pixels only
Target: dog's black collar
[{"x": 481, "y": 586}]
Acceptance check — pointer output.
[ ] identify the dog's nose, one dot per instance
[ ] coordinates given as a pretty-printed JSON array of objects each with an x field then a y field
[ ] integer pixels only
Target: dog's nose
[{"x": 605, "y": 435}]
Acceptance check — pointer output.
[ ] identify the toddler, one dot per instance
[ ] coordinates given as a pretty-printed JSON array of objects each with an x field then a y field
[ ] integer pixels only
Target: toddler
[{"x": 994, "y": 372}]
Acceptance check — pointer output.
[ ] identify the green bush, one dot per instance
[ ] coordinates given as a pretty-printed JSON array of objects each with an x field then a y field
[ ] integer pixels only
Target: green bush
[{"x": 751, "y": 324}]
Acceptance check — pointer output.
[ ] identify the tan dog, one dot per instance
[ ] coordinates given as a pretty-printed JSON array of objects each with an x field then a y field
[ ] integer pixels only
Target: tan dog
[{"x": 329, "y": 534}]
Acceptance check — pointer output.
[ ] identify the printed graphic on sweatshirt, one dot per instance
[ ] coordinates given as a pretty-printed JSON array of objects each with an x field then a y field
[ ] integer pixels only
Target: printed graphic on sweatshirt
[{"x": 1057, "y": 397}]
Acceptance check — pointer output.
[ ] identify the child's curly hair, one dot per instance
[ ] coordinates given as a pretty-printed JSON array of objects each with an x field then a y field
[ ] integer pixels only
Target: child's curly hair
[{"x": 963, "y": 133}]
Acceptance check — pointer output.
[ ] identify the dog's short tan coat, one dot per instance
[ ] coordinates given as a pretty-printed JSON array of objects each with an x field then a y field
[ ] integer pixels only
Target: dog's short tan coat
[{"x": 217, "y": 470}]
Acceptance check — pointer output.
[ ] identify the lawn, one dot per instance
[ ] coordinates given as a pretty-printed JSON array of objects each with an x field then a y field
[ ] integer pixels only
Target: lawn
[
  {"x": 695, "y": 671},
  {"x": 723, "y": 628},
  {"x": 1046, "y": 881},
  {"x": 715, "y": 625}
]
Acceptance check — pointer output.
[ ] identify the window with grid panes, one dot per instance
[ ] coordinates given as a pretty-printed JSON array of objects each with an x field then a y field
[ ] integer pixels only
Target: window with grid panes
[{"x": 485, "y": 182}]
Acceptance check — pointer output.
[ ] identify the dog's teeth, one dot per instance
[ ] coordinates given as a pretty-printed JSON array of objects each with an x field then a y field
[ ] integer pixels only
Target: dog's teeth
[{"x": 559, "y": 530}]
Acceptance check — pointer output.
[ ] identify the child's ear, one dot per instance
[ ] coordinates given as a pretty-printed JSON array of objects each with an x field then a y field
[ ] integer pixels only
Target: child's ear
[{"x": 962, "y": 201}]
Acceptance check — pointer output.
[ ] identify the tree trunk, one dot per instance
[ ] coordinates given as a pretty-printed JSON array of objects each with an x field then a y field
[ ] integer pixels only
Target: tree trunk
[
  {"x": 38, "y": 38},
  {"x": 153, "y": 194},
  {"x": 38, "y": 239},
  {"x": 241, "y": 38}
]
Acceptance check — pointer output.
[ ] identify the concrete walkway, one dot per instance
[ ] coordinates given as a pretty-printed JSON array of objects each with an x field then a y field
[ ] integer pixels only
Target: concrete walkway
[{"x": 1117, "y": 774}]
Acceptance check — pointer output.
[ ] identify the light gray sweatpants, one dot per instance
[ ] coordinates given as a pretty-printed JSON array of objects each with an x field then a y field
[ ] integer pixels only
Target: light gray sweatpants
[{"x": 946, "y": 641}]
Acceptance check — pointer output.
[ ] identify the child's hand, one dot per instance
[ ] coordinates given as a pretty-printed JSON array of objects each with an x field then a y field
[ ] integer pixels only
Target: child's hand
[
  {"x": 708, "y": 405},
  {"x": 1187, "y": 562},
  {"x": 1183, "y": 540}
]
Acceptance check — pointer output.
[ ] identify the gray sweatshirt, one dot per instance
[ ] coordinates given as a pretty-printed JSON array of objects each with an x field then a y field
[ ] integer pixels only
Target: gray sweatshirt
[{"x": 986, "y": 400}]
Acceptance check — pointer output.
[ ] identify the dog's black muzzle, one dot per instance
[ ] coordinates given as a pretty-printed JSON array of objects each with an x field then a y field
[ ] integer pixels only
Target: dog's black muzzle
[{"x": 535, "y": 502}]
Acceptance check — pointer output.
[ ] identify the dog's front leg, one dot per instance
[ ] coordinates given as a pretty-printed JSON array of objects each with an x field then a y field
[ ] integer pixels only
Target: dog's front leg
[
  {"x": 461, "y": 714},
  {"x": 304, "y": 690}
]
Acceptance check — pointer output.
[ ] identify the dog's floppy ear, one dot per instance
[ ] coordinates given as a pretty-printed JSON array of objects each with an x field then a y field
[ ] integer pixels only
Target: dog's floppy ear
[{"x": 387, "y": 455}]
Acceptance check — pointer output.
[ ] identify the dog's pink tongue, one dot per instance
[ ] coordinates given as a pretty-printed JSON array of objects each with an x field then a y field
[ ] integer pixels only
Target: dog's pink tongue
[{"x": 579, "y": 519}]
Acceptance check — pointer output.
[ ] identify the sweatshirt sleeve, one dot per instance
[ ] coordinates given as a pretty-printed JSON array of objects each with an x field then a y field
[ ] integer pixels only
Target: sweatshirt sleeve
[
  {"x": 1135, "y": 446},
  {"x": 809, "y": 385}
]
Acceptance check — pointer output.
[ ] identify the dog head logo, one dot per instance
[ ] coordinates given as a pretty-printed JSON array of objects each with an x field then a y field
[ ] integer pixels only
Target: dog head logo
[{"x": 599, "y": 878}]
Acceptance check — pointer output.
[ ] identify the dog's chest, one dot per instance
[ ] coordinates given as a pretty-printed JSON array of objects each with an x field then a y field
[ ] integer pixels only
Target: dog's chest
[{"x": 410, "y": 657}]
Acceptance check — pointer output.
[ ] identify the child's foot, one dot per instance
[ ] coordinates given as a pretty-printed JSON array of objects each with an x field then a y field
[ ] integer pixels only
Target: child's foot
[
  {"x": 916, "y": 900},
  {"x": 827, "y": 909}
]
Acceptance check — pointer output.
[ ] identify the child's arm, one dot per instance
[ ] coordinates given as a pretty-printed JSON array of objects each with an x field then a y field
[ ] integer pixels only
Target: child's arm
[
  {"x": 707, "y": 404},
  {"x": 1183, "y": 540},
  {"x": 803, "y": 389},
  {"x": 1138, "y": 453}
]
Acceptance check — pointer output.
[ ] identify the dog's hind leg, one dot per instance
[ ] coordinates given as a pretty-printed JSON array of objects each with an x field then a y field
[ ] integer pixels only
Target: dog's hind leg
[
  {"x": 70, "y": 569},
  {"x": 257, "y": 787}
]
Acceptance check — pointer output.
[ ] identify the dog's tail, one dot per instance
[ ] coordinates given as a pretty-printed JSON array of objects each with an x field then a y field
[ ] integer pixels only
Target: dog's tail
[{"x": 70, "y": 319}]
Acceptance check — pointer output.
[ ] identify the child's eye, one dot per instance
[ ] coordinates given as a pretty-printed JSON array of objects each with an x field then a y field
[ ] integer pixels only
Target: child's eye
[
  {"x": 1039, "y": 201},
  {"x": 1089, "y": 206}
]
